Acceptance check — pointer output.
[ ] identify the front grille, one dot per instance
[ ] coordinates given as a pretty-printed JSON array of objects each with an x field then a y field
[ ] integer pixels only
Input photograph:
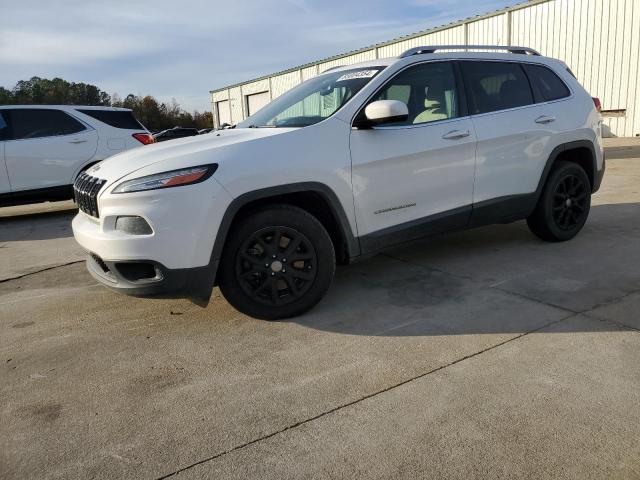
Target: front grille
[{"x": 85, "y": 193}]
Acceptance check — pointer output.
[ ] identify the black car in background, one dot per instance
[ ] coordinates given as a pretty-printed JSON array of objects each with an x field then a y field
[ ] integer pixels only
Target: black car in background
[{"x": 175, "y": 132}]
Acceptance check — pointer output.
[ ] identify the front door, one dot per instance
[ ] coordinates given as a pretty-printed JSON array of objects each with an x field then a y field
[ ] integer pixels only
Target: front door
[
  {"x": 46, "y": 147},
  {"x": 415, "y": 177}
]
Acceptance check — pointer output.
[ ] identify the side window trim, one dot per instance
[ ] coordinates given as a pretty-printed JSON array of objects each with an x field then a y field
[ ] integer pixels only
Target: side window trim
[
  {"x": 463, "y": 98},
  {"x": 462, "y": 106},
  {"x": 533, "y": 90}
]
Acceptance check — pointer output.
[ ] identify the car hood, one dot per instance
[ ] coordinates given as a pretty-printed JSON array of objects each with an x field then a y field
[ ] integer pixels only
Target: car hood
[{"x": 195, "y": 150}]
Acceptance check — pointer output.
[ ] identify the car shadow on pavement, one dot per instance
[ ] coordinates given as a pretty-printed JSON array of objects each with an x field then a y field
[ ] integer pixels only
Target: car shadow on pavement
[{"x": 495, "y": 279}]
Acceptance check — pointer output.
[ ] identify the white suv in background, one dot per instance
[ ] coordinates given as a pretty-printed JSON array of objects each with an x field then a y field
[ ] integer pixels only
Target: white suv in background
[
  {"x": 352, "y": 161},
  {"x": 43, "y": 148}
]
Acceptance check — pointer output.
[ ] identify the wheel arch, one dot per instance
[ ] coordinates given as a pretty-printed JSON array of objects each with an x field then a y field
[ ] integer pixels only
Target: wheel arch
[
  {"x": 316, "y": 198},
  {"x": 582, "y": 152}
]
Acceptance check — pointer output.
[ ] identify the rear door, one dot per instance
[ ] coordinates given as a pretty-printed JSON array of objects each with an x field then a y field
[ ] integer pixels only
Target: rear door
[
  {"x": 514, "y": 134},
  {"x": 46, "y": 147},
  {"x": 5, "y": 187}
]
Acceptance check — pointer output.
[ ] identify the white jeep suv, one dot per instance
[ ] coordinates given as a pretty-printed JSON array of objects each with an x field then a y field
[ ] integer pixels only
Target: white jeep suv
[
  {"x": 43, "y": 148},
  {"x": 352, "y": 161}
]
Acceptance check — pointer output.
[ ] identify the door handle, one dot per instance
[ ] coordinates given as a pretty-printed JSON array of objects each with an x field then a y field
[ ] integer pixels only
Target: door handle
[
  {"x": 456, "y": 134},
  {"x": 545, "y": 119},
  {"x": 77, "y": 141}
]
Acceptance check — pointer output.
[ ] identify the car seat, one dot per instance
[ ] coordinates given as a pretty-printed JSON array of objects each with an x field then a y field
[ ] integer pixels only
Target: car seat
[{"x": 433, "y": 104}]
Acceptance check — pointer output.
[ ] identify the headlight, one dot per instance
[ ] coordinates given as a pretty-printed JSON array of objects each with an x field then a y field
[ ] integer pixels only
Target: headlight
[{"x": 174, "y": 178}]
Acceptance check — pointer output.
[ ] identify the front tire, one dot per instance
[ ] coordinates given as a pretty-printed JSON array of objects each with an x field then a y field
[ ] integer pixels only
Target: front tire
[
  {"x": 563, "y": 207},
  {"x": 277, "y": 263}
]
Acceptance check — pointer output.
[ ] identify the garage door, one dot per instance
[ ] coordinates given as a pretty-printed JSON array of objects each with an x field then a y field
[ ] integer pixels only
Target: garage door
[
  {"x": 224, "y": 112},
  {"x": 256, "y": 101}
]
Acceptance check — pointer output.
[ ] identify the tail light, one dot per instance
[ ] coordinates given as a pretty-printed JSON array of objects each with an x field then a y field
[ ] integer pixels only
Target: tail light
[
  {"x": 144, "y": 138},
  {"x": 597, "y": 103}
]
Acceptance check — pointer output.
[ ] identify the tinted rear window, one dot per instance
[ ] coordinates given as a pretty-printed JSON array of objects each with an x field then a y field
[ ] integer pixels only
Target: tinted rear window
[
  {"x": 37, "y": 123},
  {"x": 116, "y": 119},
  {"x": 496, "y": 86},
  {"x": 546, "y": 83}
]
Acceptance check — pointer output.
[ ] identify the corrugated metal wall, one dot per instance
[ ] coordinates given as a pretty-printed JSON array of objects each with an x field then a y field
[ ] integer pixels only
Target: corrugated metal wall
[
  {"x": 598, "y": 39},
  {"x": 449, "y": 36}
]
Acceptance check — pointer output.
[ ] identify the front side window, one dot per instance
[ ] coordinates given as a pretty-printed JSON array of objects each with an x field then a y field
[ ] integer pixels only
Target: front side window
[
  {"x": 312, "y": 101},
  {"x": 29, "y": 123},
  {"x": 429, "y": 91},
  {"x": 547, "y": 84},
  {"x": 496, "y": 86}
]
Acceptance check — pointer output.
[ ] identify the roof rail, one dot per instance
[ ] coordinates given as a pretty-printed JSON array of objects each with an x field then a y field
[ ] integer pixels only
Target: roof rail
[{"x": 435, "y": 48}]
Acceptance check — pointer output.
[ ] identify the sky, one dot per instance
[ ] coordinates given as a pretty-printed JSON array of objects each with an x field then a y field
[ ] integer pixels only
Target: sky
[{"x": 183, "y": 48}]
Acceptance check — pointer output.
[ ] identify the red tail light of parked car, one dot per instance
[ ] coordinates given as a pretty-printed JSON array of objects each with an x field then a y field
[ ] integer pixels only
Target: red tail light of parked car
[{"x": 144, "y": 138}]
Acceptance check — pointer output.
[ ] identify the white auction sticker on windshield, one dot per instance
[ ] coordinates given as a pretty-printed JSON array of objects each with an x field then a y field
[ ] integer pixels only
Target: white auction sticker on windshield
[{"x": 355, "y": 75}]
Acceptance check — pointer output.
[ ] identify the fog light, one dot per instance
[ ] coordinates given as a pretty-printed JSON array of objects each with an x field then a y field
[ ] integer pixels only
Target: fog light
[{"x": 133, "y": 225}]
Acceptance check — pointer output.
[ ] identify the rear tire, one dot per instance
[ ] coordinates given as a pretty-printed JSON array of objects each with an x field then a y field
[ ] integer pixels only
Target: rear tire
[
  {"x": 277, "y": 263},
  {"x": 563, "y": 207}
]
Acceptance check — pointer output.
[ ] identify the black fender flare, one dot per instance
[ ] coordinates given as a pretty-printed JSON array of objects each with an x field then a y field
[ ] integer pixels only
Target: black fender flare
[
  {"x": 351, "y": 241},
  {"x": 556, "y": 152}
]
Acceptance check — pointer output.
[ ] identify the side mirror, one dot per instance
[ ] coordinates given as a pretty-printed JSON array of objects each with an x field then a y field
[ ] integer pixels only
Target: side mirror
[{"x": 385, "y": 111}]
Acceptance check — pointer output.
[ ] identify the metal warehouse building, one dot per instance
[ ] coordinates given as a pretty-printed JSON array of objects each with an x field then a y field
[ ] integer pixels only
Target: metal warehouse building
[{"x": 598, "y": 39}]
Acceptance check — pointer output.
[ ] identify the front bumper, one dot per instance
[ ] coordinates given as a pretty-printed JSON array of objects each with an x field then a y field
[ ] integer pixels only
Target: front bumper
[
  {"x": 174, "y": 257},
  {"x": 147, "y": 277}
]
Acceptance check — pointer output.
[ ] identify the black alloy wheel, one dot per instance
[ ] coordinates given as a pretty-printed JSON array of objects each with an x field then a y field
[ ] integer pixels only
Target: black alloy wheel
[
  {"x": 276, "y": 266},
  {"x": 564, "y": 205},
  {"x": 569, "y": 201},
  {"x": 278, "y": 262}
]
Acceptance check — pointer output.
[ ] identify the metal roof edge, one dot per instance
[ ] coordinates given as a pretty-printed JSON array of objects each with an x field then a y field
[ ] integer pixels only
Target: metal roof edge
[{"x": 457, "y": 23}]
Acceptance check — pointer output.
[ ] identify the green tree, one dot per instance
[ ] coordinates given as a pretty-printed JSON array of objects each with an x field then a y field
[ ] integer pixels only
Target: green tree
[
  {"x": 57, "y": 91},
  {"x": 6, "y": 97},
  {"x": 203, "y": 120}
]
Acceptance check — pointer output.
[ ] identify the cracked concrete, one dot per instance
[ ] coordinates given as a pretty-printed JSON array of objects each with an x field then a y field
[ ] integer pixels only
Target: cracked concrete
[{"x": 481, "y": 354}]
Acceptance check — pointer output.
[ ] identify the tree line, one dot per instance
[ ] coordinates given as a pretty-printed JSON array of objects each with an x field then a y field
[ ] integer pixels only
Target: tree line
[{"x": 152, "y": 114}]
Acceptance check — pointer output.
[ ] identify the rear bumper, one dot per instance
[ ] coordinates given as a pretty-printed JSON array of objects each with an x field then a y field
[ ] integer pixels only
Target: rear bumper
[
  {"x": 597, "y": 181},
  {"x": 148, "y": 277}
]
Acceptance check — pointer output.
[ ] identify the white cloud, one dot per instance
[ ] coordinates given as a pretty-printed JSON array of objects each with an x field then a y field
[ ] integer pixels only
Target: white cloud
[{"x": 64, "y": 48}]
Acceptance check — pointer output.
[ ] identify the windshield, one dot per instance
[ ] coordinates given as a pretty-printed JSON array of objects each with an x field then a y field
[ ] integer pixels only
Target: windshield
[{"x": 312, "y": 101}]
